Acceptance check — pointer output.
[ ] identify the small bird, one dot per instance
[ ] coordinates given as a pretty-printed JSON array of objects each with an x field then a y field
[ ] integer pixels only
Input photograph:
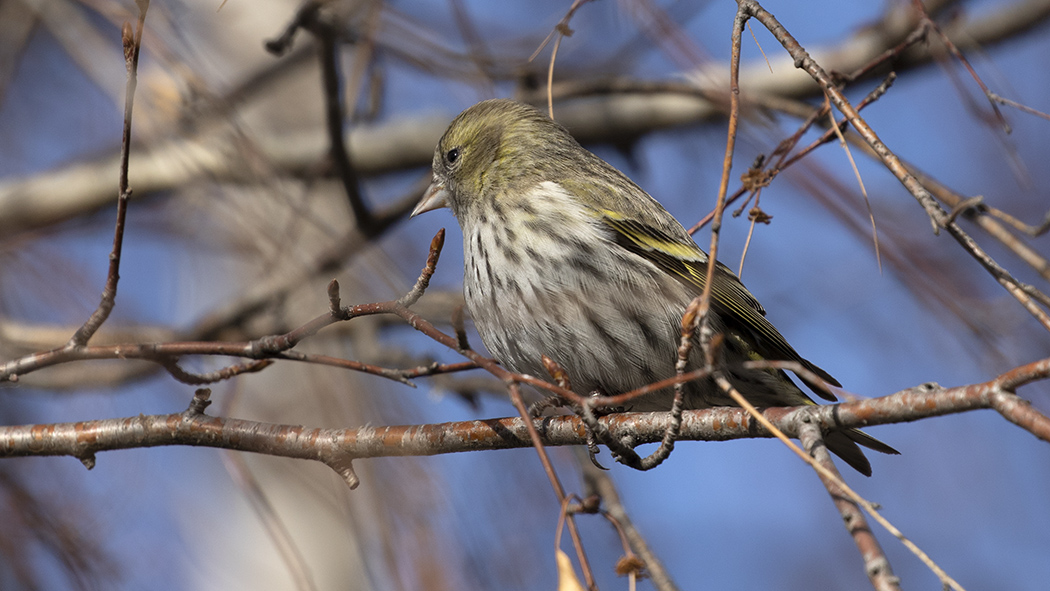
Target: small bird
[{"x": 567, "y": 257}]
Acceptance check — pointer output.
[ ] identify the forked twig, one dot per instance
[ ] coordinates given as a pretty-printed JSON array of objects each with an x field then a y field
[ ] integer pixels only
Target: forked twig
[{"x": 559, "y": 31}]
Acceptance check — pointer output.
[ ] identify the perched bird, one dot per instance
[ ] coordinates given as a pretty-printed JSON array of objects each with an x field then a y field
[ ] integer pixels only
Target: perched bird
[{"x": 566, "y": 257}]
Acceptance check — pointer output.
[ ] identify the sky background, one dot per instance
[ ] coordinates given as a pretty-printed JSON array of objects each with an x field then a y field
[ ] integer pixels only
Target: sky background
[{"x": 969, "y": 489}]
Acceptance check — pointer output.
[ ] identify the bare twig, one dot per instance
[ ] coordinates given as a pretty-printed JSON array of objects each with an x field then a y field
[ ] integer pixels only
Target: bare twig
[
  {"x": 603, "y": 486},
  {"x": 559, "y": 31},
  {"x": 552, "y": 476},
  {"x": 881, "y": 577},
  {"x": 876, "y": 565},
  {"x": 860, "y": 183},
  {"x": 132, "y": 42},
  {"x": 958, "y": 55},
  {"x": 423, "y": 281},
  {"x": 1023, "y": 108},
  {"x": 194, "y": 379},
  {"x": 938, "y": 217}
]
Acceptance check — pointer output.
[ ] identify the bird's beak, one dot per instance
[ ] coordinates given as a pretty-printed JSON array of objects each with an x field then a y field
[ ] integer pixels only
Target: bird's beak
[{"x": 435, "y": 197}]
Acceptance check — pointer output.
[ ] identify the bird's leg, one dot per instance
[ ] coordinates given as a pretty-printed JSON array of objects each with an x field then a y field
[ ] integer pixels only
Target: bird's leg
[
  {"x": 592, "y": 439},
  {"x": 621, "y": 450},
  {"x": 553, "y": 401}
]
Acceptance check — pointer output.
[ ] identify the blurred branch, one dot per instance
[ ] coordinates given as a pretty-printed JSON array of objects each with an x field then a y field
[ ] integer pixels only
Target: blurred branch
[
  {"x": 270, "y": 518},
  {"x": 36, "y": 527},
  {"x": 263, "y": 294},
  {"x": 329, "y": 51},
  {"x": 83, "y": 41},
  {"x": 17, "y": 22},
  {"x": 623, "y": 111}
]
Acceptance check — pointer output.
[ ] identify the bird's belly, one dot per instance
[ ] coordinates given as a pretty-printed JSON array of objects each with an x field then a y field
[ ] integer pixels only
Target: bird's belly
[{"x": 609, "y": 332}]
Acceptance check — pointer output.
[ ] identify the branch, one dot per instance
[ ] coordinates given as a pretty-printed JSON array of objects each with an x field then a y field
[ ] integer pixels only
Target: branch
[
  {"x": 84, "y": 439},
  {"x": 274, "y": 346},
  {"x": 876, "y": 565},
  {"x": 132, "y": 42},
  {"x": 939, "y": 218},
  {"x": 602, "y": 485}
]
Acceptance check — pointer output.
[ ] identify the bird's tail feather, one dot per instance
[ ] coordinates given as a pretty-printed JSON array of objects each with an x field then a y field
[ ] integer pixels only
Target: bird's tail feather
[{"x": 844, "y": 445}]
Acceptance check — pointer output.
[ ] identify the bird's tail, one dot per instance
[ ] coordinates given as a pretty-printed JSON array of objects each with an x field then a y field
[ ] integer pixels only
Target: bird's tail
[{"x": 844, "y": 445}]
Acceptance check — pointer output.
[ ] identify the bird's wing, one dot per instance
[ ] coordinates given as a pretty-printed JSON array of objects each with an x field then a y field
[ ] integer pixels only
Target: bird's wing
[{"x": 682, "y": 258}]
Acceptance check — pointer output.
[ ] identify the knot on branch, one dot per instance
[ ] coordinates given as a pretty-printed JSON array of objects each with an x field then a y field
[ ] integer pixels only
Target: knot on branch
[
  {"x": 201, "y": 400},
  {"x": 343, "y": 465},
  {"x": 88, "y": 459}
]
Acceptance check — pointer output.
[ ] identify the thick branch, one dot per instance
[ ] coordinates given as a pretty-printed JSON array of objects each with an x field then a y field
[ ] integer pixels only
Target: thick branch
[{"x": 83, "y": 439}]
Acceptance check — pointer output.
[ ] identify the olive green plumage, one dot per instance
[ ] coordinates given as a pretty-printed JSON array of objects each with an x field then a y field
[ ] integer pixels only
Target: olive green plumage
[{"x": 566, "y": 257}]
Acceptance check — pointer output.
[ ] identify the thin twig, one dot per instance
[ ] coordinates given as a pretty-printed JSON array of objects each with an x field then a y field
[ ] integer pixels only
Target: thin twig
[
  {"x": 423, "y": 281},
  {"x": 195, "y": 379},
  {"x": 958, "y": 55},
  {"x": 132, "y": 42},
  {"x": 946, "y": 580},
  {"x": 758, "y": 178},
  {"x": 552, "y": 476},
  {"x": 876, "y": 564},
  {"x": 937, "y": 215},
  {"x": 560, "y": 30},
  {"x": 1023, "y": 108},
  {"x": 603, "y": 486},
  {"x": 860, "y": 183}
]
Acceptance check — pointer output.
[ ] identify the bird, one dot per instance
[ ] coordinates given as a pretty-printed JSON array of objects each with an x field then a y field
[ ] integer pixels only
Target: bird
[{"x": 566, "y": 257}]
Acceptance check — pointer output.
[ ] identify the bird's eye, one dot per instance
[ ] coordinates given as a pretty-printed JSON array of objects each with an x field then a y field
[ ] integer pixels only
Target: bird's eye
[{"x": 452, "y": 155}]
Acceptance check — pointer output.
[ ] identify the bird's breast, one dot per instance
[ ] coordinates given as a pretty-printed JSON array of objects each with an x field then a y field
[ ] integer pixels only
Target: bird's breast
[{"x": 552, "y": 285}]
